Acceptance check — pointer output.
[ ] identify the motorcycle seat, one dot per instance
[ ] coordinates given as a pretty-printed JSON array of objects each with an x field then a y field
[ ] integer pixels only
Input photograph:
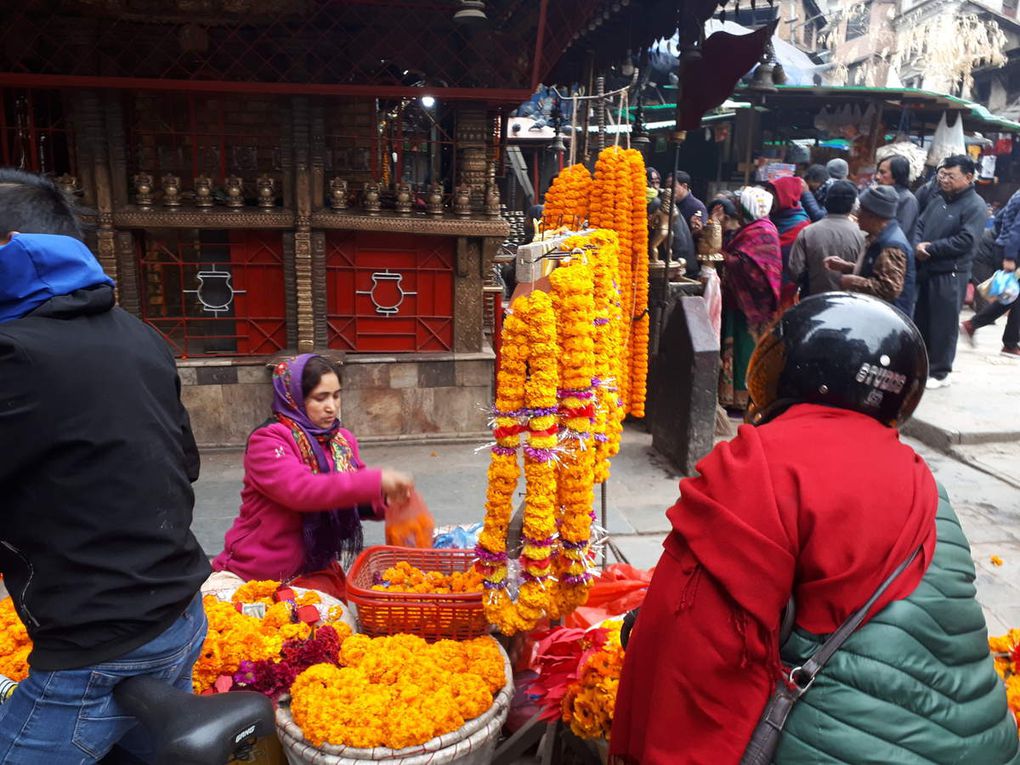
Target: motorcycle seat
[{"x": 196, "y": 730}]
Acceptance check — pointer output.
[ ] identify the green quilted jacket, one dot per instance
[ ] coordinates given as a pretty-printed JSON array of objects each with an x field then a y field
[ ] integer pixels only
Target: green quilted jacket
[{"x": 915, "y": 685}]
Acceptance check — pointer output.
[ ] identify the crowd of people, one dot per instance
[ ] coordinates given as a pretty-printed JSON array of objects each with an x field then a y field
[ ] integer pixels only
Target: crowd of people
[{"x": 793, "y": 237}]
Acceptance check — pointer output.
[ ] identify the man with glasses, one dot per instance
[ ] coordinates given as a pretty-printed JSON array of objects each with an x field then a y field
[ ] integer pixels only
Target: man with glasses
[{"x": 947, "y": 234}]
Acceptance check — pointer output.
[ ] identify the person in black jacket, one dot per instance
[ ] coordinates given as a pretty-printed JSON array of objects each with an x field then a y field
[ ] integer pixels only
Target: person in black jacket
[
  {"x": 946, "y": 236},
  {"x": 895, "y": 171},
  {"x": 96, "y": 464}
]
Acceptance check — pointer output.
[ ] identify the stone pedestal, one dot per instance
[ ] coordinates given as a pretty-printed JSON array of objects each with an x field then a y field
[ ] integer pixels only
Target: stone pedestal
[{"x": 683, "y": 384}]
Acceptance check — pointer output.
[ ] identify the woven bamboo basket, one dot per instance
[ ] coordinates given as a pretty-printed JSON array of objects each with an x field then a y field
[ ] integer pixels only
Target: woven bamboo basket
[{"x": 471, "y": 744}]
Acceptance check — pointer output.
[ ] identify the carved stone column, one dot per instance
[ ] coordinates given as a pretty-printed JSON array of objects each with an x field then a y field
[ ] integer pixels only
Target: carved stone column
[
  {"x": 127, "y": 268},
  {"x": 92, "y": 133},
  {"x": 303, "y": 232},
  {"x": 468, "y": 304},
  {"x": 471, "y": 136},
  {"x": 319, "y": 292}
]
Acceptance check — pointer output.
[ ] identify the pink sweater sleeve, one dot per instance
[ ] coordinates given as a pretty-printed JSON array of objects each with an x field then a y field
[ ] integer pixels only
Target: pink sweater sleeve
[{"x": 274, "y": 467}]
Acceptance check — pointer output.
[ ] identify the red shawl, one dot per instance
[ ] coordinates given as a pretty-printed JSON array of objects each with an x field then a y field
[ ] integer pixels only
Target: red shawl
[
  {"x": 824, "y": 502},
  {"x": 754, "y": 271}
]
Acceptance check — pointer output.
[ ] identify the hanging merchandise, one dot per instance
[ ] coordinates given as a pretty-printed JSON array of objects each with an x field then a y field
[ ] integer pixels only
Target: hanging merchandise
[
  {"x": 947, "y": 140},
  {"x": 1003, "y": 146},
  {"x": 824, "y": 119}
]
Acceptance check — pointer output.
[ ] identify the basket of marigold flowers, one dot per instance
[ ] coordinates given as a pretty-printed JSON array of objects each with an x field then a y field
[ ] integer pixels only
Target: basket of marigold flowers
[
  {"x": 434, "y": 594},
  {"x": 399, "y": 699}
]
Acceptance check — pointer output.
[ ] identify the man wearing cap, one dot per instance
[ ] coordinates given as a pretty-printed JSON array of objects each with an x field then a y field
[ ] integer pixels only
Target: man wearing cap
[
  {"x": 886, "y": 269},
  {"x": 838, "y": 170},
  {"x": 835, "y": 235}
]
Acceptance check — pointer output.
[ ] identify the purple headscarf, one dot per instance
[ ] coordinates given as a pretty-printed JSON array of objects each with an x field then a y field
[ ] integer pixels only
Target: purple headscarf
[{"x": 330, "y": 534}]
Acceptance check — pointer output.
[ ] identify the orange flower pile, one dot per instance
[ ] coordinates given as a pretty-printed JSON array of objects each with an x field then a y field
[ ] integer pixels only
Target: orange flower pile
[
  {"x": 1006, "y": 650},
  {"x": 407, "y": 578},
  {"x": 16, "y": 645},
  {"x": 264, "y": 591},
  {"x": 566, "y": 201},
  {"x": 589, "y": 702},
  {"x": 396, "y": 691}
]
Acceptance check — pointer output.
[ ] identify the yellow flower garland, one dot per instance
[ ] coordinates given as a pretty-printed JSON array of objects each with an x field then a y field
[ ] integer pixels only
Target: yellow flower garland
[
  {"x": 639, "y": 260},
  {"x": 532, "y": 336},
  {"x": 573, "y": 297}
]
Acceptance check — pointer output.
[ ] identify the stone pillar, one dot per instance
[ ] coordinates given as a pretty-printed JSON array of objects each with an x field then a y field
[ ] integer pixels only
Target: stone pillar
[{"x": 683, "y": 385}]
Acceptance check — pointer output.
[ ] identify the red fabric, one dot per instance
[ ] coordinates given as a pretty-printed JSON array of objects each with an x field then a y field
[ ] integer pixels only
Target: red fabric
[
  {"x": 710, "y": 80},
  {"x": 788, "y": 191},
  {"x": 822, "y": 501},
  {"x": 331, "y": 581}
]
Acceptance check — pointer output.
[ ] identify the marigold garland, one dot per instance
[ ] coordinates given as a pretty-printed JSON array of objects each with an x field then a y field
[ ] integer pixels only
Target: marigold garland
[
  {"x": 396, "y": 691},
  {"x": 534, "y": 320},
  {"x": 639, "y": 262},
  {"x": 572, "y": 286},
  {"x": 1006, "y": 651},
  {"x": 566, "y": 201}
]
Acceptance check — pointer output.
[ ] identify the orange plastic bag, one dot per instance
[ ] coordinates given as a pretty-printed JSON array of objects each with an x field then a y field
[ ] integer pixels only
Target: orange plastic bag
[
  {"x": 410, "y": 524},
  {"x": 620, "y": 588}
]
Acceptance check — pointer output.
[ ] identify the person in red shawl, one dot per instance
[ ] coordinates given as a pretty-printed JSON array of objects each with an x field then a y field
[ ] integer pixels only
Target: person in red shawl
[
  {"x": 820, "y": 500},
  {"x": 752, "y": 273},
  {"x": 790, "y": 219}
]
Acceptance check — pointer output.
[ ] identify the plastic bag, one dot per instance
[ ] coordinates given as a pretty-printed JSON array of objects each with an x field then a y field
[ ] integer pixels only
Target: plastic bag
[
  {"x": 410, "y": 524},
  {"x": 1004, "y": 287},
  {"x": 620, "y": 588},
  {"x": 713, "y": 298},
  {"x": 947, "y": 140}
]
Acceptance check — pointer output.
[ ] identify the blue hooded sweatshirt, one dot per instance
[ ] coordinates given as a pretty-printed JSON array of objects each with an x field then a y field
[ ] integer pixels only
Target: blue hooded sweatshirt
[{"x": 35, "y": 268}]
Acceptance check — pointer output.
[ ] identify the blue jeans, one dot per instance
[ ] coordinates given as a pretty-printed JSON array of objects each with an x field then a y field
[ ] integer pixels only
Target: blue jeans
[{"x": 69, "y": 717}]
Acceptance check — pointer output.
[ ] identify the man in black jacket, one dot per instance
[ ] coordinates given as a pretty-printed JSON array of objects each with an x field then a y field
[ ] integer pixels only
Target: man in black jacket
[
  {"x": 947, "y": 234},
  {"x": 96, "y": 464}
]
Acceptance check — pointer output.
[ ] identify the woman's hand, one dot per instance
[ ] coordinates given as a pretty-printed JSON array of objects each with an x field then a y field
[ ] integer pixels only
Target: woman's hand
[
  {"x": 396, "y": 486},
  {"x": 696, "y": 223}
]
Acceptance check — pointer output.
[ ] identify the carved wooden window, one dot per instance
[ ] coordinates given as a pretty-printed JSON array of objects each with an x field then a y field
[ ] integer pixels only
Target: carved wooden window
[
  {"x": 389, "y": 292},
  {"x": 35, "y": 133},
  {"x": 213, "y": 292}
]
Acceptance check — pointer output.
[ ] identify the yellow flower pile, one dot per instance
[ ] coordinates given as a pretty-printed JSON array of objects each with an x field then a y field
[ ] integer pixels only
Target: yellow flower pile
[
  {"x": 407, "y": 578},
  {"x": 396, "y": 691},
  {"x": 1006, "y": 650},
  {"x": 566, "y": 201},
  {"x": 16, "y": 645},
  {"x": 589, "y": 702}
]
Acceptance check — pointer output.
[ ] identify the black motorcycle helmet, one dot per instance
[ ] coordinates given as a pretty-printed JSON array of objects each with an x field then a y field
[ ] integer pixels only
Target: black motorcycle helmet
[{"x": 843, "y": 350}]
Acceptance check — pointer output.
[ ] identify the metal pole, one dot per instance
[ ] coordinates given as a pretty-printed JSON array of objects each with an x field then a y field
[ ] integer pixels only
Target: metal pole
[
  {"x": 600, "y": 111},
  {"x": 536, "y": 66},
  {"x": 605, "y": 526}
]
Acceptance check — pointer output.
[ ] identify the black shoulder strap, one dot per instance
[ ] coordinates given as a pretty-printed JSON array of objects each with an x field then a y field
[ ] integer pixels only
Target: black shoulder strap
[{"x": 804, "y": 675}]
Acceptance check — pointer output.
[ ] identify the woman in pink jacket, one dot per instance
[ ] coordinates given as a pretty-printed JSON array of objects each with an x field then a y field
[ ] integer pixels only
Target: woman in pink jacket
[{"x": 305, "y": 487}]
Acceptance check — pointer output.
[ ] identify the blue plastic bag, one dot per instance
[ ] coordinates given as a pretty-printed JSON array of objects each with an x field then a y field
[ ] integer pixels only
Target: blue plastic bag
[{"x": 1004, "y": 287}]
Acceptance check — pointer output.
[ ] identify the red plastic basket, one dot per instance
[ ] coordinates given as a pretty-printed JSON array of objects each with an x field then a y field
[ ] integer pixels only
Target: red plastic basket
[{"x": 457, "y": 616}]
